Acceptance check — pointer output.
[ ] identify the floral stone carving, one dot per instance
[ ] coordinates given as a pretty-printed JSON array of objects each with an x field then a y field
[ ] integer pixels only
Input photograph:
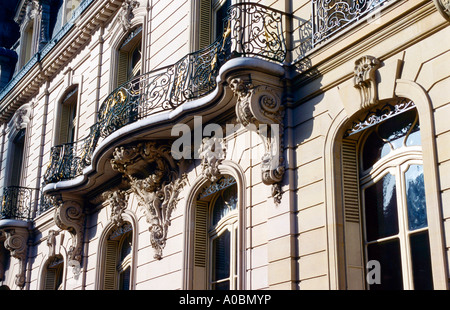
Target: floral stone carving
[
  {"x": 212, "y": 153},
  {"x": 155, "y": 178},
  {"x": 365, "y": 80}
]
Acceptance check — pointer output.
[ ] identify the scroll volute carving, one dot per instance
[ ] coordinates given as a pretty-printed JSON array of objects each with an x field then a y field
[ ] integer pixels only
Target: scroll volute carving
[
  {"x": 156, "y": 180},
  {"x": 69, "y": 216},
  {"x": 259, "y": 108},
  {"x": 366, "y": 81},
  {"x": 16, "y": 242}
]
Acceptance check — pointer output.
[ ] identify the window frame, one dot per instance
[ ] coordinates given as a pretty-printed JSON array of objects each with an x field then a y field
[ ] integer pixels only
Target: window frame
[
  {"x": 195, "y": 269},
  {"x": 397, "y": 163},
  {"x": 227, "y": 223}
]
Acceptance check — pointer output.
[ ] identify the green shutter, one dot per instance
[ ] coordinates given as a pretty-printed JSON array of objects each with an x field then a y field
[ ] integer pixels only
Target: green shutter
[
  {"x": 64, "y": 124},
  {"x": 50, "y": 279},
  {"x": 200, "y": 245},
  {"x": 122, "y": 69},
  {"x": 205, "y": 23},
  {"x": 110, "y": 271}
]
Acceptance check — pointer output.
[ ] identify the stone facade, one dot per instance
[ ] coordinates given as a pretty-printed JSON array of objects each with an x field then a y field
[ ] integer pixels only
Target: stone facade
[{"x": 145, "y": 155}]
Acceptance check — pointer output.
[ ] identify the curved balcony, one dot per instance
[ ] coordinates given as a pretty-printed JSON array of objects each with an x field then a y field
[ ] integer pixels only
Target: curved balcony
[
  {"x": 17, "y": 203},
  {"x": 251, "y": 30}
]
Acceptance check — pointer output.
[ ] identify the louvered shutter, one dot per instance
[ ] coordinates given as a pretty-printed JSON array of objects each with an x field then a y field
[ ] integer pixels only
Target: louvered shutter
[
  {"x": 353, "y": 238},
  {"x": 64, "y": 124},
  {"x": 122, "y": 69},
  {"x": 200, "y": 245},
  {"x": 110, "y": 271},
  {"x": 205, "y": 23},
  {"x": 50, "y": 279}
]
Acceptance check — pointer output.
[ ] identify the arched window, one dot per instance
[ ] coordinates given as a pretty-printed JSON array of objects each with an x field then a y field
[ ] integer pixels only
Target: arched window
[
  {"x": 130, "y": 57},
  {"x": 68, "y": 116},
  {"x": 384, "y": 199},
  {"x": 54, "y": 273},
  {"x": 216, "y": 237},
  {"x": 118, "y": 259},
  {"x": 17, "y": 156}
]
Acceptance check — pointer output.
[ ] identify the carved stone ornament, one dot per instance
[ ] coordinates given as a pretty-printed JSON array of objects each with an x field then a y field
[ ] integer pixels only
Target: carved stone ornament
[
  {"x": 156, "y": 179},
  {"x": 31, "y": 11},
  {"x": 212, "y": 153},
  {"x": 365, "y": 80},
  {"x": 22, "y": 117},
  {"x": 126, "y": 13},
  {"x": 443, "y": 6},
  {"x": 259, "y": 108},
  {"x": 17, "y": 243},
  {"x": 69, "y": 216},
  {"x": 118, "y": 201}
]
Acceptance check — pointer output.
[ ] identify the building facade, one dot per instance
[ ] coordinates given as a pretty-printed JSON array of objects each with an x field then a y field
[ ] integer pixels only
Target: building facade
[{"x": 225, "y": 144}]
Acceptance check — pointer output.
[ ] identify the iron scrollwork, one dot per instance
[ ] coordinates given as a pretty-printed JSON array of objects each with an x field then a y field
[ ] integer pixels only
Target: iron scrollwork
[
  {"x": 250, "y": 30},
  {"x": 331, "y": 16}
]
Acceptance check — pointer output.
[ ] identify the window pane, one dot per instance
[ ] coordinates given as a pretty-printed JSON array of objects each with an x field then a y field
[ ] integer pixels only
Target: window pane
[
  {"x": 222, "y": 286},
  {"x": 126, "y": 247},
  {"x": 415, "y": 197},
  {"x": 221, "y": 260},
  {"x": 395, "y": 129},
  {"x": 220, "y": 210},
  {"x": 381, "y": 208},
  {"x": 388, "y": 255},
  {"x": 372, "y": 150},
  {"x": 125, "y": 279},
  {"x": 414, "y": 137},
  {"x": 421, "y": 261}
]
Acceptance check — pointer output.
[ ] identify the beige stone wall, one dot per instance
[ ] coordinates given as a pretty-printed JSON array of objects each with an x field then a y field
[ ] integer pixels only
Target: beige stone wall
[{"x": 288, "y": 246}]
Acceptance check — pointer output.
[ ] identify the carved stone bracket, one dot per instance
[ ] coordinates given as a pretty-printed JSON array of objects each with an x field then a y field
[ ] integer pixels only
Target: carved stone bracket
[
  {"x": 365, "y": 80},
  {"x": 118, "y": 201},
  {"x": 17, "y": 243},
  {"x": 259, "y": 108},
  {"x": 443, "y": 6},
  {"x": 22, "y": 117},
  {"x": 126, "y": 13},
  {"x": 69, "y": 216},
  {"x": 156, "y": 179},
  {"x": 212, "y": 153}
]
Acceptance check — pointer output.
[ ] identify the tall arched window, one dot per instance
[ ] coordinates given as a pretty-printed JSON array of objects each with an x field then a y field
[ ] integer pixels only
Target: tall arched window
[
  {"x": 384, "y": 199},
  {"x": 216, "y": 237},
  {"x": 118, "y": 259},
  {"x": 130, "y": 57},
  {"x": 53, "y": 277},
  {"x": 68, "y": 116}
]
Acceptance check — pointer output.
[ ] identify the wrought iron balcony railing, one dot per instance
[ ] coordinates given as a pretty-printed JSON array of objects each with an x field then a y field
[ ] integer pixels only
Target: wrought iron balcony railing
[
  {"x": 251, "y": 30},
  {"x": 332, "y": 16},
  {"x": 17, "y": 203}
]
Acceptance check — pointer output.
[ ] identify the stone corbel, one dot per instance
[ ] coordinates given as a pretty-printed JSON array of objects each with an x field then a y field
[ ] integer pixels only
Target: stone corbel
[
  {"x": 156, "y": 180},
  {"x": 212, "y": 153},
  {"x": 22, "y": 117},
  {"x": 365, "y": 80},
  {"x": 259, "y": 108},
  {"x": 69, "y": 216},
  {"x": 17, "y": 243},
  {"x": 118, "y": 201},
  {"x": 126, "y": 13}
]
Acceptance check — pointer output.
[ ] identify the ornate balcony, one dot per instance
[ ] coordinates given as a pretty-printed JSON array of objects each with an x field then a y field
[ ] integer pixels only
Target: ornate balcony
[
  {"x": 251, "y": 30},
  {"x": 17, "y": 203}
]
